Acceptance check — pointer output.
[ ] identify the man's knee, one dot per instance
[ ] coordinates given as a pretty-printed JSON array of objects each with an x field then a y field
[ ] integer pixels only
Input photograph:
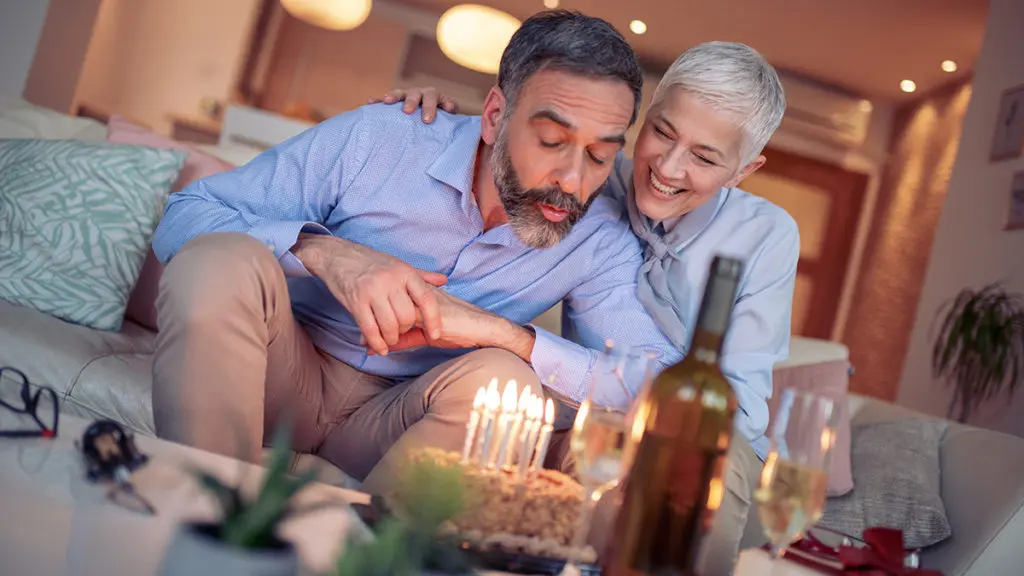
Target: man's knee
[
  {"x": 212, "y": 270},
  {"x": 477, "y": 368}
]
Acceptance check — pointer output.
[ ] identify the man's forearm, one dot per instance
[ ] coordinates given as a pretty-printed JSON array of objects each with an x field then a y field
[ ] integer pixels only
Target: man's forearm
[
  {"x": 309, "y": 249},
  {"x": 517, "y": 339}
]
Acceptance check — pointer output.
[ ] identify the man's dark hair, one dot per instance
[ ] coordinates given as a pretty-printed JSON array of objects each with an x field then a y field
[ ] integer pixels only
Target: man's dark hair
[{"x": 570, "y": 42}]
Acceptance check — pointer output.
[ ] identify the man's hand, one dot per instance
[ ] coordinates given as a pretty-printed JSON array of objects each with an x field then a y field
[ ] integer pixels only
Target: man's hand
[
  {"x": 464, "y": 325},
  {"x": 386, "y": 296},
  {"x": 429, "y": 98}
]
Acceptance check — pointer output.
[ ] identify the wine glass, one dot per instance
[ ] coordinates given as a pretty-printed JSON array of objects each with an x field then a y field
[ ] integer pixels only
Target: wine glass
[
  {"x": 601, "y": 442},
  {"x": 791, "y": 495}
]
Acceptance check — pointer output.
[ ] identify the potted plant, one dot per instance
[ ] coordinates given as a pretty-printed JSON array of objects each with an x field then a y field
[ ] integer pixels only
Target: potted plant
[
  {"x": 244, "y": 539},
  {"x": 980, "y": 347},
  {"x": 408, "y": 539}
]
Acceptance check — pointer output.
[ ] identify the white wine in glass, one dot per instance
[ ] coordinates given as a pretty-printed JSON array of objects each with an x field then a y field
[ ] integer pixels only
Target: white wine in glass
[
  {"x": 791, "y": 501},
  {"x": 598, "y": 447},
  {"x": 600, "y": 443},
  {"x": 791, "y": 495}
]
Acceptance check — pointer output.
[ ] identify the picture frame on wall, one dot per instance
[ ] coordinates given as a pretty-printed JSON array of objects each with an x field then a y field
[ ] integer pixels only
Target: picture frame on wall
[
  {"x": 1008, "y": 140},
  {"x": 1015, "y": 212}
]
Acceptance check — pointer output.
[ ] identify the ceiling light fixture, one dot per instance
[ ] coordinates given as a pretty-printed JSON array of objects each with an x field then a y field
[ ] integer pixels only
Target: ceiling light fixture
[
  {"x": 908, "y": 85},
  {"x": 475, "y": 36},
  {"x": 948, "y": 66},
  {"x": 330, "y": 14},
  {"x": 638, "y": 26},
  {"x": 551, "y": 4}
]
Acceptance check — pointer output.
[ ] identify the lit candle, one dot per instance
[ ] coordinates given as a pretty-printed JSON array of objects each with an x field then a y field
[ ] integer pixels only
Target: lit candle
[
  {"x": 508, "y": 410},
  {"x": 473, "y": 424},
  {"x": 517, "y": 423},
  {"x": 534, "y": 411},
  {"x": 491, "y": 405},
  {"x": 545, "y": 436}
]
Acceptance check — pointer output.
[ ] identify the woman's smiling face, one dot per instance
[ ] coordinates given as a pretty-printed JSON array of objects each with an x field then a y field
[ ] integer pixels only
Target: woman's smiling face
[{"x": 686, "y": 151}]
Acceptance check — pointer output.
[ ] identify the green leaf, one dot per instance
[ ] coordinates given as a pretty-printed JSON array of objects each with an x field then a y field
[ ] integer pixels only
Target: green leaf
[{"x": 979, "y": 347}]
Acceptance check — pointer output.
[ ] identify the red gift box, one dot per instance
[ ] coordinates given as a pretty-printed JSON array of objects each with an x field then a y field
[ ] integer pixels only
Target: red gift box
[{"x": 882, "y": 554}]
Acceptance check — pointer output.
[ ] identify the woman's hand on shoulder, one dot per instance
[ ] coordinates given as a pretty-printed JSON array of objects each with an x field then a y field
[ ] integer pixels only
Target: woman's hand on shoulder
[{"x": 429, "y": 99}]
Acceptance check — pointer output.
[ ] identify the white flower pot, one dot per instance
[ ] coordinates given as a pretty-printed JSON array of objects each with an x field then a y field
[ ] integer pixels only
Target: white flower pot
[{"x": 194, "y": 551}]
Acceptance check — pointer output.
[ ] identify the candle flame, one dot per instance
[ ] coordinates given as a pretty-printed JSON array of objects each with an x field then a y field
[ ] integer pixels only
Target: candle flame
[
  {"x": 533, "y": 408},
  {"x": 493, "y": 398},
  {"x": 480, "y": 398},
  {"x": 524, "y": 400},
  {"x": 508, "y": 399},
  {"x": 549, "y": 412}
]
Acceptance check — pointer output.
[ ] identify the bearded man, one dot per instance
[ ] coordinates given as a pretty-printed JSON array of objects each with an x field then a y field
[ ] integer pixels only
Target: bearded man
[{"x": 370, "y": 274}]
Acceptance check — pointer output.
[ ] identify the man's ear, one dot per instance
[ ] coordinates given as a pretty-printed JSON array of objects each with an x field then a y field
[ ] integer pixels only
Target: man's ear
[
  {"x": 746, "y": 171},
  {"x": 494, "y": 108}
]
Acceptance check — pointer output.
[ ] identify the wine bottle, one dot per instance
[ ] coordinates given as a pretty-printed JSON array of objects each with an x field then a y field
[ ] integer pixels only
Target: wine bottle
[{"x": 676, "y": 482}]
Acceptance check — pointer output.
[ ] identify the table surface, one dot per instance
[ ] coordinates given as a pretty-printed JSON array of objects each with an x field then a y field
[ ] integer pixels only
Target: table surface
[{"x": 56, "y": 522}]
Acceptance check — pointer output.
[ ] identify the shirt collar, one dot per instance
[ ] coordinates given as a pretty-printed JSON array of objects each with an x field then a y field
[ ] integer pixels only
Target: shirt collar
[{"x": 455, "y": 166}]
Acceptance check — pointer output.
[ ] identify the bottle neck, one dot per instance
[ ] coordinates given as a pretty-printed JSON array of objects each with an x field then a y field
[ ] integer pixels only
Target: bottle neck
[
  {"x": 706, "y": 346},
  {"x": 713, "y": 321}
]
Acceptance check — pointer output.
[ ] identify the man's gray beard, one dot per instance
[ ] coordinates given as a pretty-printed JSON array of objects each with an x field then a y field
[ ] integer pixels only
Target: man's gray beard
[{"x": 525, "y": 217}]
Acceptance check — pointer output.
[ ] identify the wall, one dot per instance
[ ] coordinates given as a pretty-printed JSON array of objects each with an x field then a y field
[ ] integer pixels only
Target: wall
[
  {"x": 60, "y": 55},
  {"x": 868, "y": 158},
  {"x": 319, "y": 68},
  {"x": 903, "y": 222},
  {"x": 970, "y": 247},
  {"x": 152, "y": 59},
  {"x": 21, "y": 23}
]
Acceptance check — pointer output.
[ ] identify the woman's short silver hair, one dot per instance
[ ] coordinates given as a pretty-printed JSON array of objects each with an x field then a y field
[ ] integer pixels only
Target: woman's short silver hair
[{"x": 736, "y": 79}]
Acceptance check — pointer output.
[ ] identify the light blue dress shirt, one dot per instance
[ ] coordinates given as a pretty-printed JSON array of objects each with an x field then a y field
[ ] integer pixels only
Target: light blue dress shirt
[
  {"x": 766, "y": 238},
  {"x": 384, "y": 179}
]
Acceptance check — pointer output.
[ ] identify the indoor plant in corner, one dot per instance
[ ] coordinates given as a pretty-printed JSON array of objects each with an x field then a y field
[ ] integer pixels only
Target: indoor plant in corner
[
  {"x": 244, "y": 540},
  {"x": 980, "y": 347}
]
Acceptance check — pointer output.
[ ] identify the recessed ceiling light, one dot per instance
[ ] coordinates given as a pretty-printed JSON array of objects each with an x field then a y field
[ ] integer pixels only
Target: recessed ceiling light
[
  {"x": 638, "y": 26},
  {"x": 948, "y": 66},
  {"x": 908, "y": 85},
  {"x": 551, "y": 4}
]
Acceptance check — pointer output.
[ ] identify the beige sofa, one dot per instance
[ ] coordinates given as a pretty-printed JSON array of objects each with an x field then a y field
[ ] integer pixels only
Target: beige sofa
[{"x": 107, "y": 375}]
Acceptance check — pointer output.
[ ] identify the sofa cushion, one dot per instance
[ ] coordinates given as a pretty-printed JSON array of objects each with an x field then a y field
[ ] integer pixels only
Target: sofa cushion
[
  {"x": 142, "y": 302},
  {"x": 897, "y": 483},
  {"x": 21, "y": 119},
  {"x": 116, "y": 386},
  {"x": 76, "y": 220},
  {"x": 54, "y": 353}
]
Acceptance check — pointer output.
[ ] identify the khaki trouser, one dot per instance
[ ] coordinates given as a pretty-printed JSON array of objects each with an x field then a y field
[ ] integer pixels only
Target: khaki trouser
[
  {"x": 726, "y": 539},
  {"x": 230, "y": 359}
]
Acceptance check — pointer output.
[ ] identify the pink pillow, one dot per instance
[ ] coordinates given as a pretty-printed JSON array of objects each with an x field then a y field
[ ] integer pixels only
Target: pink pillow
[
  {"x": 829, "y": 379},
  {"x": 142, "y": 302}
]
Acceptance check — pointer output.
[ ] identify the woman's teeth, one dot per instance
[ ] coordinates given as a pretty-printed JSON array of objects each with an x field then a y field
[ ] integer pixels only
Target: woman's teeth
[{"x": 663, "y": 188}]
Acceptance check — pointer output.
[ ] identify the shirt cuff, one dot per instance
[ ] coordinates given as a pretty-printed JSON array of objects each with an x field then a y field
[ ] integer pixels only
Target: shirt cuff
[
  {"x": 562, "y": 366},
  {"x": 279, "y": 237}
]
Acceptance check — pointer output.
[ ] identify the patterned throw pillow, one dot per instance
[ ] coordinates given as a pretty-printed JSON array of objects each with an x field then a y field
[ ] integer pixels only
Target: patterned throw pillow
[
  {"x": 76, "y": 220},
  {"x": 897, "y": 480}
]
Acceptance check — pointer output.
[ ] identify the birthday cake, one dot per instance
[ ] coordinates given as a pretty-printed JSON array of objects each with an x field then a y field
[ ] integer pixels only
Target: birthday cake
[{"x": 534, "y": 513}]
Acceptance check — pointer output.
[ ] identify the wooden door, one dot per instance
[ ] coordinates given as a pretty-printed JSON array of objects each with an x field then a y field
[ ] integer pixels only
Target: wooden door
[{"x": 825, "y": 200}]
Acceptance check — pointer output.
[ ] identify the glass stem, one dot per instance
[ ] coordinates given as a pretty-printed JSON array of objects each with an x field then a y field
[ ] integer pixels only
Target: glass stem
[
  {"x": 776, "y": 551},
  {"x": 591, "y": 496}
]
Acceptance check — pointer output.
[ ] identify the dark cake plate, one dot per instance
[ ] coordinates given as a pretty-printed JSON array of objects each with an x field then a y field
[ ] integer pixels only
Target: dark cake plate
[{"x": 518, "y": 563}]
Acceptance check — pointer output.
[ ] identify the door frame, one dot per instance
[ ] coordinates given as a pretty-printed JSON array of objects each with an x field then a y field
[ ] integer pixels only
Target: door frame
[{"x": 848, "y": 190}]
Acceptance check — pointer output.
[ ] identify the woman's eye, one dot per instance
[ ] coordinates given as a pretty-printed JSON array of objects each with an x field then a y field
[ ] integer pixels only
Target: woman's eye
[
  {"x": 549, "y": 144},
  {"x": 660, "y": 132},
  {"x": 704, "y": 160}
]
